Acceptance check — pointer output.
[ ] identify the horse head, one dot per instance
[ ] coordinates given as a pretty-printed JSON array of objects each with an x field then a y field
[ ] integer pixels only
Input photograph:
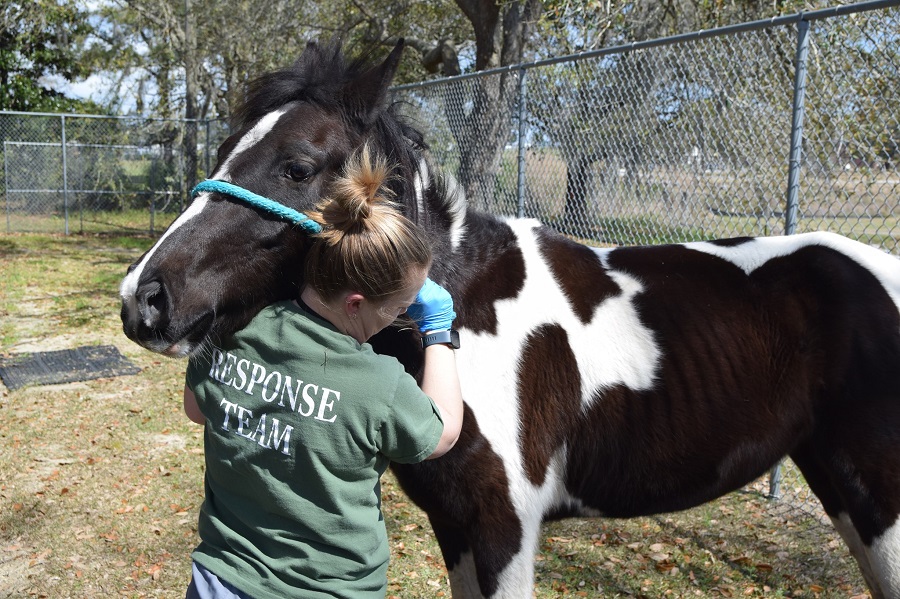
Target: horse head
[{"x": 221, "y": 261}]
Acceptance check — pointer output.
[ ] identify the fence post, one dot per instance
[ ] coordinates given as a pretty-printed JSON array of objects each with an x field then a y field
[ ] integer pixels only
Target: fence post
[
  {"x": 207, "y": 148},
  {"x": 65, "y": 174},
  {"x": 151, "y": 185},
  {"x": 797, "y": 113},
  {"x": 6, "y": 185},
  {"x": 520, "y": 167}
]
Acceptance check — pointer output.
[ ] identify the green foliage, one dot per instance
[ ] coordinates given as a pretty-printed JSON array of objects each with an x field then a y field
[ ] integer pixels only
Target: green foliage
[
  {"x": 224, "y": 43},
  {"x": 570, "y": 26},
  {"x": 41, "y": 39}
]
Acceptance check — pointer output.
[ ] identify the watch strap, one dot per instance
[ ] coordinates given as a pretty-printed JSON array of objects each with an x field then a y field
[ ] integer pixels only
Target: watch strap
[{"x": 448, "y": 337}]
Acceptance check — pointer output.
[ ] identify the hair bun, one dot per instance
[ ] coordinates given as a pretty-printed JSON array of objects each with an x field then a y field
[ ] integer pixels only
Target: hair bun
[
  {"x": 366, "y": 245},
  {"x": 357, "y": 195}
]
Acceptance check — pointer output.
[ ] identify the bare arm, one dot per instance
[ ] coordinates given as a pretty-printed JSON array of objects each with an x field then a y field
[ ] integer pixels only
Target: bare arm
[
  {"x": 441, "y": 383},
  {"x": 191, "y": 408}
]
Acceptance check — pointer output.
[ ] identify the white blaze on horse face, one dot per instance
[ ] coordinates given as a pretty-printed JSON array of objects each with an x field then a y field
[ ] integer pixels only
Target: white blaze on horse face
[
  {"x": 130, "y": 282},
  {"x": 252, "y": 137}
]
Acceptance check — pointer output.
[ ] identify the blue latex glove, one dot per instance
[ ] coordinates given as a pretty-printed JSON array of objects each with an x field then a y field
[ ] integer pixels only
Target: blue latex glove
[{"x": 433, "y": 308}]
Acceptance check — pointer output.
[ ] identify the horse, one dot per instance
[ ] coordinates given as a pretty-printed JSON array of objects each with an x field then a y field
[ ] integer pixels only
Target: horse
[{"x": 615, "y": 382}]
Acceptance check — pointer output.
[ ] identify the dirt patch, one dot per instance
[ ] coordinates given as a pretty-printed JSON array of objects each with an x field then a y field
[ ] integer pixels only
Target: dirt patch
[
  {"x": 162, "y": 443},
  {"x": 14, "y": 564},
  {"x": 45, "y": 343}
]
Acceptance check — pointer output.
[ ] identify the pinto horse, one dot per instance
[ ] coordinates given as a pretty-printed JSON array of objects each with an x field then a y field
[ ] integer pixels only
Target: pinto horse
[{"x": 602, "y": 382}]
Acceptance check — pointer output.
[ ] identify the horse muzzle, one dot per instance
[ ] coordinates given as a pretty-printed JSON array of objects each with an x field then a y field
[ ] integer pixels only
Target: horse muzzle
[{"x": 147, "y": 320}]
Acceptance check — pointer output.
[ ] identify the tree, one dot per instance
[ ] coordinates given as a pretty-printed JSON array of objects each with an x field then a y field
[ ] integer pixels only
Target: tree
[
  {"x": 235, "y": 40},
  {"x": 480, "y": 118},
  {"x": 195, "y": 56},
  {"x": 850, "y": 119},
  {"x": 214, "y": 47},
  {"x": 40, "y": 40},
  {"x": 501, "y": 32}
]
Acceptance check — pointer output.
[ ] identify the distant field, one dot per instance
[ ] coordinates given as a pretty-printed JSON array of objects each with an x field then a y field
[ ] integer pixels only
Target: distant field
[{"x": 620, "y": 207}]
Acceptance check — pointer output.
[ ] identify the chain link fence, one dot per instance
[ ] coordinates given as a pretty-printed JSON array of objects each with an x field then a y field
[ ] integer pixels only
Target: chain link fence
[
  {"x": 766, "y": 128},
  {"x": 770, "y": 127},
  {"x": 89, "y": 174}
]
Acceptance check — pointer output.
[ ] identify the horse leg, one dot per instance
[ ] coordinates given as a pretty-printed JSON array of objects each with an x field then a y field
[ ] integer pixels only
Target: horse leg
[
  {"x": 489, "y": 561},
  {"x": 517, "y": 578},
  {"x": 859, "y": 487},
  {"x": 885, "y": 557},
  {"x": 457, "y": 556},
  {"x": 848, "y": 532},
  {"x": 817, "y": 479}
]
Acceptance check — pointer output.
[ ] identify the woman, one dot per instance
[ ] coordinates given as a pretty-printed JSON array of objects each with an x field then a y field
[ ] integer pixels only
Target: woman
[{"x": 302, "y": 417}]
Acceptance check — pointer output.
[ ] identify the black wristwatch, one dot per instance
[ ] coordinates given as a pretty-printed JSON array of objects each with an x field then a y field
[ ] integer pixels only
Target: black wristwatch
[{"x": 448, "y": 337}]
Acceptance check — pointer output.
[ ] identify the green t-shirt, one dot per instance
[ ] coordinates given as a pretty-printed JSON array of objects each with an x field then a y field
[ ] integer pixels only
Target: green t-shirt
[{"x": 301, "y": 422}]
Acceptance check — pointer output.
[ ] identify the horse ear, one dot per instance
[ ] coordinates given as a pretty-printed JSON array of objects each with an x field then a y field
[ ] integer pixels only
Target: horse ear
[
  {"x": 366, "y": 96},
  {"x": 311, "y": 56}
]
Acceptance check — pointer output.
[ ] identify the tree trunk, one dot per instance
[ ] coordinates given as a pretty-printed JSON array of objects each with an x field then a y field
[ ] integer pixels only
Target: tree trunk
[
  {"x": 482, "y": 130},
  {"x": 190, "y": 102},
  {"x": 579, "y": 177}
]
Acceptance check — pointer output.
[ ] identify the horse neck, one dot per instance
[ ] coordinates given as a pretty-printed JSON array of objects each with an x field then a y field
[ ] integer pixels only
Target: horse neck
[
  {"x": 465, "y": 241},
  {"x": 440, "y": 207}
]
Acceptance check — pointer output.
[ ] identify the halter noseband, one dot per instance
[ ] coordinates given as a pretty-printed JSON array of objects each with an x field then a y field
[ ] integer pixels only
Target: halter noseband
[{"x": 258, "y": 201}]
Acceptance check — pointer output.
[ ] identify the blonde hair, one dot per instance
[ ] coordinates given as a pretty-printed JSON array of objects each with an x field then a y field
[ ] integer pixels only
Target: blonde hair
[{"x": 366, "y": 244}]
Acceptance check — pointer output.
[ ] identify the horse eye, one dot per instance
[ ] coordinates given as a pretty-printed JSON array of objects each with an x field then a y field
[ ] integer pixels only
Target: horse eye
[{"x": 300, "y": 171}]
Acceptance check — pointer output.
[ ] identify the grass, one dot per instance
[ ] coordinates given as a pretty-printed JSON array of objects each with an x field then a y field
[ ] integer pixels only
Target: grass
[
  {"x": 92, "y": 222},
  {"x": 100, "y": 481}
]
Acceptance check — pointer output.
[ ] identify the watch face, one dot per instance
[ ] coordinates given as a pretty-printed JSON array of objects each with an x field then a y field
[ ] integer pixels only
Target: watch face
[{"x": 454, "y": 339}]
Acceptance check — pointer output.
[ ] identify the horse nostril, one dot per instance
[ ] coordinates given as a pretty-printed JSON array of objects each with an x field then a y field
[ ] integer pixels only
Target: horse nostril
[{"x": 152, "y": 304}]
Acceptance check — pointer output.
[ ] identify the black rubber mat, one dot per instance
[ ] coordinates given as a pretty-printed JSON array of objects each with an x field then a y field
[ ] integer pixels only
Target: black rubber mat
[{"x": 64, "y": 366}]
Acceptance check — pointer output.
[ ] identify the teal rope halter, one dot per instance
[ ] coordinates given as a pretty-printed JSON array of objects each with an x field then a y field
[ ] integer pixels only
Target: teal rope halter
[{"x": 258, "y": 201}]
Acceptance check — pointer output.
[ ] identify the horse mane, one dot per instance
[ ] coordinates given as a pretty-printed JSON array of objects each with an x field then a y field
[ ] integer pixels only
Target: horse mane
[
  {"x": 320, "y": 76},
  {"x": 313, "y": 80}
]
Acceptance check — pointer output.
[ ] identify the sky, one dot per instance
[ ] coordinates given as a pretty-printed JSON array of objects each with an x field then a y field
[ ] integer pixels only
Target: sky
[{"x": 99, "y": 87}]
